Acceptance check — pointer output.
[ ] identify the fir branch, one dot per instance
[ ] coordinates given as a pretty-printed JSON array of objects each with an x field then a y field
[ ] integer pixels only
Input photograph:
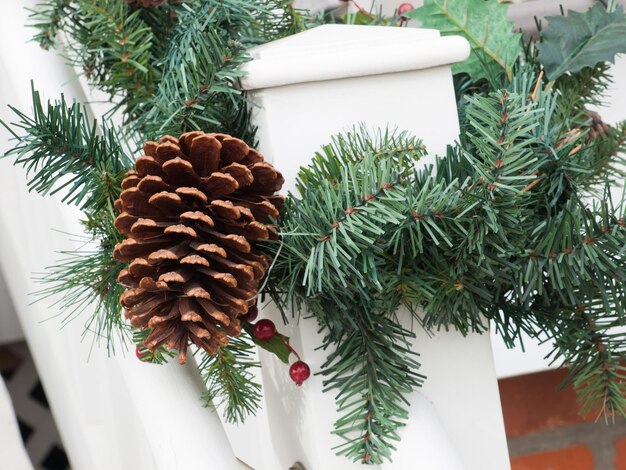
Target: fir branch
[
  {"x": 448, "y": 242},
  {"x": 371, "y": 389},
  {"x": 48, "y": 18},
  {"x": 87, "y": 278},
  {"x": 63, "y": 151},
  {"x": 201, "y": 67},
  {"x": 196, "y": 90},
  {"x": 114, "y": 47},
  {"x": 589, "y": 344},
  {"x": 229, "y": 378}
]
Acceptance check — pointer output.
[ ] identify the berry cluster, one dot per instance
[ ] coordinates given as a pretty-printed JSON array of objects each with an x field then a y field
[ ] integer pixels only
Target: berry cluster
[{"x": 265, "y": 330}]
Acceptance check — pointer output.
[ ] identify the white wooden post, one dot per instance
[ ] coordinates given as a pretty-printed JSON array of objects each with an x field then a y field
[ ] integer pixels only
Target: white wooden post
[
  {"x": 13, "y": 455},
  {"x": 307, "y": 88},
  {"x": 10, "y": 330}
]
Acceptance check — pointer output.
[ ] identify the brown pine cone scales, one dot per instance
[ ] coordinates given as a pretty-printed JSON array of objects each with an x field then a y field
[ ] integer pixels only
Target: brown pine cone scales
[
  {"x": 189, "y": 211},
  {"x": 597, "y": 127}
]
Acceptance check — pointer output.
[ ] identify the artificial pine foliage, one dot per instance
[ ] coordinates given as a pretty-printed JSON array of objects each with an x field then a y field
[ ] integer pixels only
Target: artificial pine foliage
[
  {"x": 63, "y": 151},
  {"x": 172, "y": 68},
  {"x": 228, "y": 376},
  {"x": 514, "y": 227},
  {"x": 146, "y": 3},
  {"x": 499, "y": 231}
]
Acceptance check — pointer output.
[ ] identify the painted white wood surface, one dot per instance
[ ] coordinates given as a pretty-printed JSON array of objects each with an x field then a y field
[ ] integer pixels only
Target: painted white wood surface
[
  {"x": 12, "y": 452},
  {"x": 457, "y": 414},
  {"x": 10, "y": 329}
]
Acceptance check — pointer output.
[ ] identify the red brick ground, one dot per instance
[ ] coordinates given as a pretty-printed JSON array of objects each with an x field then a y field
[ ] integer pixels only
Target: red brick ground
[
  {"x": 546, "y": 432},
  {"x": 534, "y": 403},
  {"x": 570, "y": 458},
  {"x": 620, "y": 454}
]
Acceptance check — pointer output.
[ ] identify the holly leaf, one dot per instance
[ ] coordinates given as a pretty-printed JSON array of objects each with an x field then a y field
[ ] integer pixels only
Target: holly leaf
[
  {"x": 578, "y": 40},
  {"x": 483, "y": 23},
  {"x": 278, "y": 345}
]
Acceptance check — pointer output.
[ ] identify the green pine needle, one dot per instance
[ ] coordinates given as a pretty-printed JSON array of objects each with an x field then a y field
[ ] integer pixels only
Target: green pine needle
[{"x": 229, "y": 378}]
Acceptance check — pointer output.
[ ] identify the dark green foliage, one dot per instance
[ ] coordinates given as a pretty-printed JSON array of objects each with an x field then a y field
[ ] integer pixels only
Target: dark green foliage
[
  {"x": 495, "y": 47},
  {"x": 497, "y": 231},
  {"x": 277, "y": 345},
  {"x": 200, "y": 67},
  {"x": 371, "y": 369},
  {"x": 578, "y": 40},
  {"x": 197, "y": 89},
  {"x": 48, "y": 18},
  {"x": 169, "y": 69},
  {"x": 87, "y": 277},
  {"x": 513, "y": 227},
  {"x": 64, "y": 151},
  {"x": 59, "y": 139},
  {"x": 229, "y": 379}
]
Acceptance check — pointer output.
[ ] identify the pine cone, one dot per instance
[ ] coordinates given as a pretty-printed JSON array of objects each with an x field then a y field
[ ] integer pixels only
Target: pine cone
[
  {"x": 597, "y": 127},
  {"x": 189, "y": 211},
  {"x": 146, "y": 3}
]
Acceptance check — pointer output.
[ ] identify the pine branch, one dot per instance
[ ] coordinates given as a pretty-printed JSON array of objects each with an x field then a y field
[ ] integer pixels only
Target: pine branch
[
  {"x": 159, "y": 356},
  {"x": 87, "y": 278},
  {"x": 49, "y": 18},
  {"x": 371, "y": 388},
  {"x": 229, "y": 380},
  {"x": 201, "y": 67},
  {"x": 63, "y": 151},
  {"x": 589, "y": 344},
  {"x": 351, "y": 148},
  {"x": 114, "y": 47},
  {"x": 196, "y": 89},
  {"x": 449, "y": 241}
]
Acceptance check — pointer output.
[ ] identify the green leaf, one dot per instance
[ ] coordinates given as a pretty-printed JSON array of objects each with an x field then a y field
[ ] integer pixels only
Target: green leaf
[
  {"x": 578, "y": 40},
  {"x": 483, "y": 23},
  {"x": 278, "y": 345}
]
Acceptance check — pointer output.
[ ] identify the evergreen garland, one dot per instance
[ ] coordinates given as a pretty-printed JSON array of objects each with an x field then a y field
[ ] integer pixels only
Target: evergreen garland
[
  {"x": 166, "y": 69},
  {"x": 513, "y": 227}
]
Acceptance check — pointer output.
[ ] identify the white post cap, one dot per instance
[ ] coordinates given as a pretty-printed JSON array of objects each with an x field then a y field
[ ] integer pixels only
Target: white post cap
[{"x": 332, "y": 52}]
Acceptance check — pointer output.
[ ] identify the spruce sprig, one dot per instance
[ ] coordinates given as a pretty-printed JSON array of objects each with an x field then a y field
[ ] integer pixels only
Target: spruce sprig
[
  {"x": 496, "y": 231},
  {"x": 229, "y": 378},
  {"x": 50, "y": 17},
  {"x": 64, "y": 151}
]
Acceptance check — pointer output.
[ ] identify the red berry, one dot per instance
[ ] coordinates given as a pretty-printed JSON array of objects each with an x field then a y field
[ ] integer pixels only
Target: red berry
[
  {"x": 138, "y": 353},
  {"x": 249, "y": 317},
  {"x": 405, "y": 8},
  {"x": 299, "y": 372},
  {"x": 264, "y": 330}
]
